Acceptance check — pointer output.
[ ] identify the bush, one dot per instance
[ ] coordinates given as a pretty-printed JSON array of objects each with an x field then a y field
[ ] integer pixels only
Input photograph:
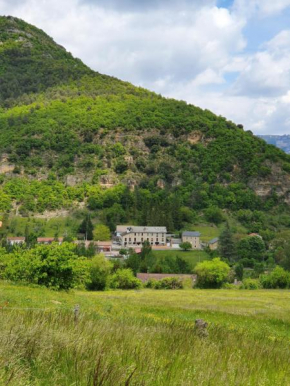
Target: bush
[
  {"x": 151, "y": 283},
  {"x": 212, "y": 274},
  {"x": 278, "y": 278},
  {"x": 54, "y": 266},
  {"x": 124, "y": 279},
  {"x": 230, "y": 286},
  {"x": 99, "y": 270},
  {"x": 251, "y": 284},
  {"x": 214, "y": 214},
  {"x": 166, "y": 283}
]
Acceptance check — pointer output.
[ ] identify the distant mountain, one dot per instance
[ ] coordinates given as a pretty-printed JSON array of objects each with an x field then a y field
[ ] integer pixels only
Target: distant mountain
[{"x": 281, "y": 141}]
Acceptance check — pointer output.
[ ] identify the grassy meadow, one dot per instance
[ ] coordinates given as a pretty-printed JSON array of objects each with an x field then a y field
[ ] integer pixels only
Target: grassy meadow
[
  {"x": 143, "y": 337},
  {"x": 192, "y": 257}
]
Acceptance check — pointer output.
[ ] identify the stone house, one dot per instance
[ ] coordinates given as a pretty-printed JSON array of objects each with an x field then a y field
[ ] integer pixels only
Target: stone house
[
  {"x": 193, "y": 238},
  {"x": 175, "y": 243},
  {"x": 137, "y": 235},
  {"x": 214, "y": 244}
]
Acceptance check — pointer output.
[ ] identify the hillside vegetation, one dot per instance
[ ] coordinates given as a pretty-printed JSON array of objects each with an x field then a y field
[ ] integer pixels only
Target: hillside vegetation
[{"x": 72, "y": 138}]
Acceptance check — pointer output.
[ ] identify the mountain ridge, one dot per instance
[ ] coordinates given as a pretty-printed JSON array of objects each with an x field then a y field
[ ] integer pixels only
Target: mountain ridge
[{"x": 65, "y": 139}]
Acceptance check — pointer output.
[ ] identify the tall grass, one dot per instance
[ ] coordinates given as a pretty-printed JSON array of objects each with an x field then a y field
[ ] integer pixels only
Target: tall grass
[{"x": 141, "y": 338}]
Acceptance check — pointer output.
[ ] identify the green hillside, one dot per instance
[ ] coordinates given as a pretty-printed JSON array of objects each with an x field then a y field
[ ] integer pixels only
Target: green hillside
[{"x": 72, "y": 138}]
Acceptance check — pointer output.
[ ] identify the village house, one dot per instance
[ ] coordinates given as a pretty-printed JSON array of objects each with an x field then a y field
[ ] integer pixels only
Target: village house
[
  {"x": 103, "y": 246},
  {"x": 175, "y": 243},
  {"x": 214, "y": 244},
  {"x": 122, "y": 229},
  {"x": 15, "y": 240},
  {"x": 193, "y": 238},
  {"x": 137, "y": 235},
  {"x": 49, "y": 240}
]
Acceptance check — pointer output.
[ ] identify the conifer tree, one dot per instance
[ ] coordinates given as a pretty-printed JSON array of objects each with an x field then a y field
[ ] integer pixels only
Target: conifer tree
[{"x": 227, "y": 247}]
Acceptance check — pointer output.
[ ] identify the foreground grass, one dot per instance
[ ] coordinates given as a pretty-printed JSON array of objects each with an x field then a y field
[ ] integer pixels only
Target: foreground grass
[{"x": 144, "y": 337}]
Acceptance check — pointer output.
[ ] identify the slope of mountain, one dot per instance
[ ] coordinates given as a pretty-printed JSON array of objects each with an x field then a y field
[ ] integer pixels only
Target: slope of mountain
[
  {"x": 281, "y": 141},
  {"x": 67, "y": 133}
]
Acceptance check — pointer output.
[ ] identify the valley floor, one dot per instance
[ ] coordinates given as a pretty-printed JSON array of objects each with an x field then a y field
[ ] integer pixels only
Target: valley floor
[{"x": 143, "y": 337}]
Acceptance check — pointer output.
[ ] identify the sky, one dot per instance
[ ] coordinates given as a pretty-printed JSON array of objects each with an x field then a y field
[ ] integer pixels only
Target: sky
[{"x": 229, "y": 56}]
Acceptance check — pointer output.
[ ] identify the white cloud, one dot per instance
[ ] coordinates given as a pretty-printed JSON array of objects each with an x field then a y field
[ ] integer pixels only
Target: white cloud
[{"x": 262, "y": 8}]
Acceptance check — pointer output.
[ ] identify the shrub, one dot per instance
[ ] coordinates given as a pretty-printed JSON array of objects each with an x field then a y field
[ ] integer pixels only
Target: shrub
[
  {"x": 151, "y": 283},
  {"x": 230, "y": 286},
  {"x": 99, "y": 270},
  {"x": 251, "y": 284},
  {"x": 124, "y": 279},
  {"x": 278, "y": 278},
  {"x": 166, "y": 283},
  {"x": 212, "y": 274},
  {"x": 54, "y": 266}
]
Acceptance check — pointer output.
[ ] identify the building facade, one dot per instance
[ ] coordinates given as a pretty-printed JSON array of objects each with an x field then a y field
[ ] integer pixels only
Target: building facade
[
  {"x": 15, "y": 240},
  {"x": 137, "y": 235},
  {"x": 214, "y": 244},
  {"x": 193, "y": 238}
]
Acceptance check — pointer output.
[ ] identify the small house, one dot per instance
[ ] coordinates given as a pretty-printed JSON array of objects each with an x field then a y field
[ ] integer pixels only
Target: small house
[
  {"x": 15, "y": 240},
  {"x": 175, "y": 243},
  {"x": 193, "y": 238},
  {"x": 214, "y": 244},
  {"x": 49, "y": 240},
  {"x": 103, "y": 246}
]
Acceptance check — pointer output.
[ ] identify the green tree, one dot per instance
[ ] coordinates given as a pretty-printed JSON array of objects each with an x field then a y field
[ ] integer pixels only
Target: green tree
[
  {"x": 99, "y": 271},
  {"x": 278, "y": 278},
  {"x": 86, "y": 228},
  {"x": 54, "y": 266},
  {"x": 185, "y": 245},
  {"x": 212, "y": 273},
  {"x": 227, "y": 247},
  {"x": 102, "y": 233},
  {"x": 134, "y": 262},
  {"x": 251, "y": 248},
  {"x": 124, "y": 279},
  {"x": 214, "y": 214},
  {"x": 239, "y": 271}
]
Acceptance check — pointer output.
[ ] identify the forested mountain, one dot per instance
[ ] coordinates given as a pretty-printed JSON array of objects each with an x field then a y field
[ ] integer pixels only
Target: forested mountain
[
  {"x": 281, "y": 141},
  {"x": 70, "y": 136}
]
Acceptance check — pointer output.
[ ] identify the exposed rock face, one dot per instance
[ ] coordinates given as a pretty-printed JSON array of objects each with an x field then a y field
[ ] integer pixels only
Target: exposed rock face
[
  {"x": 107, "y": 181},
  {"x": 195, "y": 137},
  {"x": 161, "y": 184},
  {"x": 5, "y": 166},
  {"x": 278, "y": 182}
]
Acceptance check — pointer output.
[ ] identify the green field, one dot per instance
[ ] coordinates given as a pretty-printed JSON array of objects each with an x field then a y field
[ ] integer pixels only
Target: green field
[
  {"x": 144, "y": 337},
  {"x": 192, "y": 257},
  {"x": 44, "y": 227}
]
